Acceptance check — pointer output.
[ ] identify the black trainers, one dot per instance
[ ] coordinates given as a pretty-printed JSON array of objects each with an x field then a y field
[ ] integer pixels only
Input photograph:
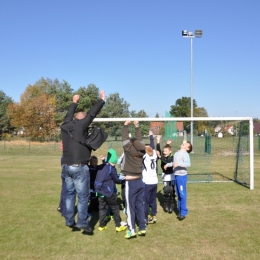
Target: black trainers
[
  {"x": 165, "y": 207},
  {"x": 72, "y": 226},
  {"x": 180, "y": 217},
  {"x": 86, "y": 229}
]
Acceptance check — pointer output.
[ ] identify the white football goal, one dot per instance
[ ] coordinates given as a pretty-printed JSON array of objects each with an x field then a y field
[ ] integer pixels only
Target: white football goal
[{"x": 223, "y": 147}]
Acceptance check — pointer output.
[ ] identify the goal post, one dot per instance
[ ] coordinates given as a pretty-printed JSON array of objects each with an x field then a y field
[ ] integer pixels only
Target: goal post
[{"x": 223, "y": 151}]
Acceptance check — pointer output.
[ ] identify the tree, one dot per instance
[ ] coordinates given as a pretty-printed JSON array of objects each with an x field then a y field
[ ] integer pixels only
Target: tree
[
  {"x": 88, "y": 97},
  {"x": 5, "y": 126},
  {"x": 201, "y": 126},
  {"x": 182, "y": 108},
  {"x": 15, "y": 113},
  {"x": 35, "y": 113},
  {"x": 115, "y": 107},
  {"x": 63, "y": 93},
  {"x": 144, "y": 125}
]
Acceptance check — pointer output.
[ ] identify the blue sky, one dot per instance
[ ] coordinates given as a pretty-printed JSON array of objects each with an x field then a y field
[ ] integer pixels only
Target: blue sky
[{"x": 135, "y": 48}]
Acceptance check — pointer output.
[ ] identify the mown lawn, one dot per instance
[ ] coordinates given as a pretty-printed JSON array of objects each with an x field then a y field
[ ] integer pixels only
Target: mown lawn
[{"x": 223, "y": 220}]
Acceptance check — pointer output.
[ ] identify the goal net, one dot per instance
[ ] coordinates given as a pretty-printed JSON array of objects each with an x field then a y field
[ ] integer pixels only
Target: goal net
[{"x": 222, "y": 147}]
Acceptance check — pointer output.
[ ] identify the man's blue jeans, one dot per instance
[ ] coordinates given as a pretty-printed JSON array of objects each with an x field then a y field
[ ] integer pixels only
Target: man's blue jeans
[{"x": 77, "y": 182}]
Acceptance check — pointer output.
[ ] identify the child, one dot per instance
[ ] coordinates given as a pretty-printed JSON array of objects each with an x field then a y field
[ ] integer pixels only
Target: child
[
  {"x": 119, "y": 163},
  {"x": 180, "y": 163},
  {"x": 104, "y": 186},
  {"x": 168, "y": 178},
  {"x": 93, "y": 204},
  {"x": 151, "y": 180},
  {"x": 134, "y": 150}
]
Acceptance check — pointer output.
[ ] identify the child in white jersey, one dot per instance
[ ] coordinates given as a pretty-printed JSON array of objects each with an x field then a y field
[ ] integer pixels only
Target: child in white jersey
[{"x": 150, "y": 179}]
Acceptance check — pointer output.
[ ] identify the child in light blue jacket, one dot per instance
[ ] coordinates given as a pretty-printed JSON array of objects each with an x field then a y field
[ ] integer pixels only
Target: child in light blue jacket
[{"x": 180, "y": 163}]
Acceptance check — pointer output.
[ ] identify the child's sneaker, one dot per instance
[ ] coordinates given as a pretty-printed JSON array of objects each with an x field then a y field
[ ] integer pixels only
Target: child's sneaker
[
  {"x": 129, "y": 234},
  {"x": 165, "y": 207},
  {"x": 121, "y": 228},
  {"x": 102, "y": 228},
  {"x": 141, "y": 233},
  {"x": 123, "y": 223},
  {"x": 152, "y": 219}
]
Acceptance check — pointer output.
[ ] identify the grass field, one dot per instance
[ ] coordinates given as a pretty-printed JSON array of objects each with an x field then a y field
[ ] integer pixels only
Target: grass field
[{"x": 223, "y": 220}]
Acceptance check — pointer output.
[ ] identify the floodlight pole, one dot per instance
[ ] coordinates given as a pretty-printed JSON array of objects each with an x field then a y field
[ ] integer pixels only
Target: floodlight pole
[
  {"x": 186, "y": 34},
  {"x": 191, "y": 90}
]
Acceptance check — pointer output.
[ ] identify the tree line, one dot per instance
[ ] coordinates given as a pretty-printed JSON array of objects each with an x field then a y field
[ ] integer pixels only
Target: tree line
[{"x": 43, "y": 106}]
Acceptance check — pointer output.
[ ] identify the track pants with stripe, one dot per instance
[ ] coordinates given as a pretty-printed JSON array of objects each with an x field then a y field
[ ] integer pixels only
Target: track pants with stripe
[{"x": 134, "y": 195}]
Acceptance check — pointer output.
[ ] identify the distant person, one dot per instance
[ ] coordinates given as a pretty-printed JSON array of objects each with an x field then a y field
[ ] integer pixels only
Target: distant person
[
  {"x": 104, "y": 186},
  {"x": 75, "y": 161},
  {"x": 134, "y": 150},
  {"x": 180, "y": 164}
]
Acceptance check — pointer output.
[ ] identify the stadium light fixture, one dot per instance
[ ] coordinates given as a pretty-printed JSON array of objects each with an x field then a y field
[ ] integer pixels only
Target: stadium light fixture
[{"x": 191, "y": 36}]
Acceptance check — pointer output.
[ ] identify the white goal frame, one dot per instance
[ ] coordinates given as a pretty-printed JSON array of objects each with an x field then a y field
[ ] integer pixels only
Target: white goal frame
[{"x": 251, "y": 131}]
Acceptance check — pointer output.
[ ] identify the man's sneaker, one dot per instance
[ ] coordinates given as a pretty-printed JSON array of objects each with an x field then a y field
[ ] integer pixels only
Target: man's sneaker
[
  {"x": 102, "y": 228},
  {"x": 86, "y": 229},
  {"x": 129, "y": 234},
  {"x": 72, "y": 226},
  {"x": 59, "y": 209},
  {"x": 152, "y": 219},
  {"x": 141, "y": 232},
  {"x": 121, "y": 228}
]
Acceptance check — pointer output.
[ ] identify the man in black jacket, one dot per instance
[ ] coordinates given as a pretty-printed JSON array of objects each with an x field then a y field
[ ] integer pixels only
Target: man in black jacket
[{"x": 75, "y": 161}]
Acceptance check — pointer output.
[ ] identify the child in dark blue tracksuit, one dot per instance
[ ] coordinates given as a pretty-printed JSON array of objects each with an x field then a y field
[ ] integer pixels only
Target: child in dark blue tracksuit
[{"x": 104, "y": 186}]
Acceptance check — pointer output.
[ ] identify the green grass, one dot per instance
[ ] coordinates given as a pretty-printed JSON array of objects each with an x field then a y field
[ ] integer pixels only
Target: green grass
[{"x": 223, "y": 220}]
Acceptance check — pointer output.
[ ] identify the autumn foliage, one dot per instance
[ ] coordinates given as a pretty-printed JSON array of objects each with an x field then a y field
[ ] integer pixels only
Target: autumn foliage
[{"x": 34, "y": 116}]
